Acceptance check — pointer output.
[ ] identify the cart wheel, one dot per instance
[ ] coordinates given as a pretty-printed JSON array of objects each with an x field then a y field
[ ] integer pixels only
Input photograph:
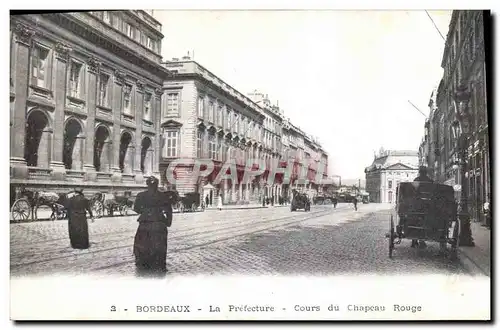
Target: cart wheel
[
  {"x": 391, "y": 236},
  {"x": 97, "y": 209},
  {"x": 455, "y": 240},
  {"x": 124, "y": 210},
  {"x": 21, "y": 210}
]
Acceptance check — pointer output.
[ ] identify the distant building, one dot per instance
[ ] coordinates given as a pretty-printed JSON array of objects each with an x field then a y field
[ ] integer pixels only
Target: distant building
[{"x": 388, "y": 169}]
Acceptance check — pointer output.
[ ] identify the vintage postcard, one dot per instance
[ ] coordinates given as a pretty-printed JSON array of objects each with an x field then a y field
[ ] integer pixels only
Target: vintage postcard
[{"x": 250, "y": 165}]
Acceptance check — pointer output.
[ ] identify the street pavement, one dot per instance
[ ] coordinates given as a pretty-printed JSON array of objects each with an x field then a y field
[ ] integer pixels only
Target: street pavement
[{"x": 271, "y": 241}]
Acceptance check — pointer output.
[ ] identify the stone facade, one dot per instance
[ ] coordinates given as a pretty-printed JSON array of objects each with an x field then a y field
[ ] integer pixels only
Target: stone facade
[
  {"x": 85, "y": 93},
  {"x": 463, "y": 60},
  {"x": 204, "y": 117},
  {"x": 389, "y": 168}
]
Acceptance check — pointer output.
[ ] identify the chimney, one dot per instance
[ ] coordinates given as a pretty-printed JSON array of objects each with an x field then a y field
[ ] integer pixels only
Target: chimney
[{"x": 186, "y": 58}]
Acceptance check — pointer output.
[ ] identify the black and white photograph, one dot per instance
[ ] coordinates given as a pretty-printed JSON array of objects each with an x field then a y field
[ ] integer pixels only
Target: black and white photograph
[{"x": 341, "y": 151}]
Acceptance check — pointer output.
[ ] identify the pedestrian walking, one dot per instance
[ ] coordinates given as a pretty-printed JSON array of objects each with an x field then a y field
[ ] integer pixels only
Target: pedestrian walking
[
  {"x": 219, "y": 202},
  {"x": 355, "y": 203},
  {"x": 207, "y": 201},
  {"x": 150, "y": 244},
  {"x": 78, "y": 227},
  {"x": 335, "y": 202}
]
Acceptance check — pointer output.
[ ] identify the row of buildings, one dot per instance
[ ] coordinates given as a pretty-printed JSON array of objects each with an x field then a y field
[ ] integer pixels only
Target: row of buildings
[
  {"x": 92, "y": 104},
  {"x": 463, "y": 62}
]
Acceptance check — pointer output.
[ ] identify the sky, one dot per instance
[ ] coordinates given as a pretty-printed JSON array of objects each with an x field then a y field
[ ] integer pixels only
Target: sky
[{"x": 343, "y": 76}]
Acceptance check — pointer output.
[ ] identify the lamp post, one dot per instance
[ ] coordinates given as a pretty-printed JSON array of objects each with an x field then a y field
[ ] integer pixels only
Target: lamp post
[{"x": 461, "y": 132}]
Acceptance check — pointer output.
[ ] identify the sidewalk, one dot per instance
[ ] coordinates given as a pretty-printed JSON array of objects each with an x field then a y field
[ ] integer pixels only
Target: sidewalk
[
  {"x": 477, "y": 259},
  {"x": 244, "y": 207}
]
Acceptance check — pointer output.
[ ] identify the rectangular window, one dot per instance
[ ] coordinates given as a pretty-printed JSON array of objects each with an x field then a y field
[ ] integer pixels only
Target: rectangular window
[
  {"x": 228, "y": 119},
  {"x": 201, "y": 107},
  {"x": 199, "y": 144},
  {"x": 129, "y": 30},
  {"x": 390, "y": 184},
  {"x": 219, "y": 115},
  {"x": 171, "y": 143},
  {"x": 103, "y": 90},
  {"x": 74, "y": 79},
  {"x": 105, "y": 17},
  {"x": 39, "y": 62},
  {"x": 211, "y": 110},
  {"x": 147, "y": 106},
  {"x": 212, "y": 147},
  {"x": 172, "y": 104},
  {"x": 127, "y": 95}
]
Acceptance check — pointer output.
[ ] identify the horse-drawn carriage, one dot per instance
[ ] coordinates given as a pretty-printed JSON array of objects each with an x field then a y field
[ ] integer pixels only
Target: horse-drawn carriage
[
  {"x": 189, "y": 202},
  {"x": 300, "y": 201},
  {"x": 34, "y": 204},
  {"x": 322, "y": 199},
  {"x": 112, "y": 202},
  {"x": 425, "y": 211},
  {"x": 29, "y": 203}
]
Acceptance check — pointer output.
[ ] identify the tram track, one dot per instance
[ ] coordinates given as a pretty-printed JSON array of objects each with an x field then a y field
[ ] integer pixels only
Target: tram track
[{"x": 230, "y": 229}]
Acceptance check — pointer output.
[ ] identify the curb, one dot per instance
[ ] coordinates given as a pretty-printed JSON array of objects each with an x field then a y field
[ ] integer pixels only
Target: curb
[{"x": 470, "y": 266}]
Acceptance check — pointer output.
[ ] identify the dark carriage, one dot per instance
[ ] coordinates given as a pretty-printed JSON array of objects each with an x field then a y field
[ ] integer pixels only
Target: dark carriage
[
  {"x": 26, "y": 205},
  {"x": 323, "y": 199},
  {"x": 112, "y": 202},
  {"x": 300, "y": 201},
  {"x": 425, "y": 211},
  {"x": 191, "y": 202}
]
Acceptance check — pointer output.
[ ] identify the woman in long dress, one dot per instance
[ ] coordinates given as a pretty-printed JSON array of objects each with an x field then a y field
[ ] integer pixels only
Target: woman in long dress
[
  {"x": 78, "y": 227},
  {"x": 150, "y": 244}
]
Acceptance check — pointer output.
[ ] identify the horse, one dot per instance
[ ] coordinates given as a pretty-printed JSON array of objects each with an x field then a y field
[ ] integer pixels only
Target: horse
[{"x": 56, "y": 202}]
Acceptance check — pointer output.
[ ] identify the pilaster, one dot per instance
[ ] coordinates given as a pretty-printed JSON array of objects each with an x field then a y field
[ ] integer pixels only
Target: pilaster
[
  {"x": 93, "y": 68},
  {"x": 119, "y": 80},
  {"x": 61, "y": 61}
]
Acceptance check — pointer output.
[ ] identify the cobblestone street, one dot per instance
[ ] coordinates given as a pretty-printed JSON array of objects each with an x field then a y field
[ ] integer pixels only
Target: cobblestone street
[{"x": 259, "y": 241}]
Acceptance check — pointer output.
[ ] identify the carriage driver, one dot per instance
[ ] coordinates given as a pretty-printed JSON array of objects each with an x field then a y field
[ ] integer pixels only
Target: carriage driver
[{"x": 422, "y": 177}]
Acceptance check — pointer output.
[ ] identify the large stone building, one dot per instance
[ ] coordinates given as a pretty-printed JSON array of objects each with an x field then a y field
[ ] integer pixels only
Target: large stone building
[
  {"x": 85, "y": 94},
  {"x": 463, "y": 60},
  {"x": 389, "y": 168},
  {"x": 204, "y": 117}
]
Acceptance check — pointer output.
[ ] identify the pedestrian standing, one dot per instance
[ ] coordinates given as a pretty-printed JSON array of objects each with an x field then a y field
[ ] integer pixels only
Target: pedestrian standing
[
  {"x": 78, "y": 226},
  {"x": 335, "y": 201},
  {"x": 207, "y": 200},
  {"x": 355, "y": 203},
  {"x": 150, "y": 244},
  {"x": 219, "y": 202}
]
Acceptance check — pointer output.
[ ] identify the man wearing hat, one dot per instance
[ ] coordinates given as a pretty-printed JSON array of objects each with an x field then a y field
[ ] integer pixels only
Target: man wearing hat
[
  {"x": 150, "y": 243},
  {"x": 422, "y": 175},
  {"x": 78, "y": 227}
]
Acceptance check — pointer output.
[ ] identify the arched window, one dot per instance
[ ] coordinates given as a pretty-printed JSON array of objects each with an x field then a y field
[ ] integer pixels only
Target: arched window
[
  {"x": 72, "y": 149},
  {"x": 101, "y": 150},
  {"x": 36, "y": 148}
]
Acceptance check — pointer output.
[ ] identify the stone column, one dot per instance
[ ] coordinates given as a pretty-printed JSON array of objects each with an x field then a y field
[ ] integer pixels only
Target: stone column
[
  {"x": 128, "y": 162},
  {"x": 43, "y": 160},
  {"x": 105, "y": 157},
  {"x": 76, "y": 156},
  {"x": 156, "y": 142},
  {"x": 20, "y": 59},
  {"x": 93, "y": 68},
  {"x": 61, "y": 61},
  {"x": 233, "y": 191},
  {"x": 119, "y": 81},
  {"x": 247, "y": 191},
  {"x": 139, "y": 108},
  {"x": 226, "y": 192}
]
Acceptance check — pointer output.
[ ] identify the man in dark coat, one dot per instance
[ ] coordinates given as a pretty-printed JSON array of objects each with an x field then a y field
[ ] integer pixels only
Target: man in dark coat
[
  {"x": 355, "y": 203},
  {"x": 150, "y": 244},
  {"x": 335, "y": 202},
  {"x": 422, "y": 175},
  {"x": 77, "y": 220}
]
